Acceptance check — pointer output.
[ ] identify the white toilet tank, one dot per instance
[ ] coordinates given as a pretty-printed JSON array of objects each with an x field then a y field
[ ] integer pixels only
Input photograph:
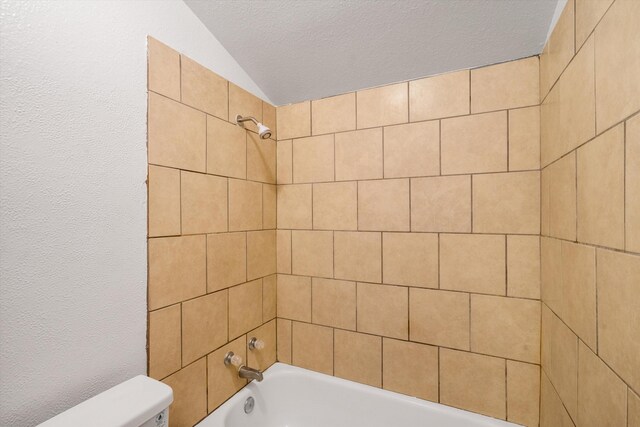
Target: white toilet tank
[{"x": 138, "y": 402}]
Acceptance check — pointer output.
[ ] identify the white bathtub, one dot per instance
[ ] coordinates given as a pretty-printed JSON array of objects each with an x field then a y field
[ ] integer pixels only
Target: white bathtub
[{"x": 295, "y": 397}]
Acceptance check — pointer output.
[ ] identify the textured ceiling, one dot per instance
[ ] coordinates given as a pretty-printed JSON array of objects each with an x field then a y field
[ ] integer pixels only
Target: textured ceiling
[{"x": 307, "y": 49}]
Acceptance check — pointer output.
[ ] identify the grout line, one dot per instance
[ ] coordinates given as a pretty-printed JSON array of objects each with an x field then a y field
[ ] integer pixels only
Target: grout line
[
  {"x": 439, "y": 147},
  {"x": 381, "y": 257},
  {"x": 576, "y": 191},
  {"x": 555, "y": 390},
  {"x": 333, "y": 351},
  {"x": 439, "y": 259},
  {"x": 410, "y": 208},
  {"x": 556, "y": 316},
  {"x": 356, "y": 93},
  {"x": 471, "y": 179},
  {"x": 595, "y": 275},
  {"x": 311, "y": 118},
  {"x": 408, "y": 103},
  {"x": 356, "y": 286},
  {"x": 357, "y": 206},
  {"x": 470, "y": 91},
  {"x": 506, "y": 265},
  {"x": 422, "y": 343},
  {"x": 624, "y": 186},
  {"x": 508, "y": 141},
  {"x": 396, "y": 177},
  {"x": 180, "y": 182},
  {"x": 439, "y": 373},
  {"x": 333, "y": 253},
  {"x": 382, "y": 131},
  {"x": 228, "y": 205},
  {"x": 382, "y": 362},
  {"x": 575, "y": 41},
  {"x": 334, "y": 157},
  {"x": 628, "y": 410},
  {"x": 469, "y": 299},
  {"x": 595, "y": 86},
  {"x": 506, "y": 391}
]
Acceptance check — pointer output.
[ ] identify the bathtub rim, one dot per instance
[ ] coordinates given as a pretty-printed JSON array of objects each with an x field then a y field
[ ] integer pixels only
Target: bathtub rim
[{"x": 280, "y": 369}]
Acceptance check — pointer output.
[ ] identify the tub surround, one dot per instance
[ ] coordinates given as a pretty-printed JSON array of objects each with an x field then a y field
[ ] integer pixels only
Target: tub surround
[
  {"x": 444, "y": 238},
  {"x": 590, "y": 92},
  {"x": 408, "y": 238},
  {"x": 212, "y": 237}
]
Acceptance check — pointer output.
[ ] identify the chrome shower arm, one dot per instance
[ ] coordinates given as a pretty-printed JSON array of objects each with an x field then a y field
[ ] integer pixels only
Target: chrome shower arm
[{"x": 240, "y": 119}]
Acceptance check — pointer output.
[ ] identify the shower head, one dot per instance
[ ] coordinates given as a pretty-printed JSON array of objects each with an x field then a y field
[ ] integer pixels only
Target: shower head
[{"x": 263, "y": 131}]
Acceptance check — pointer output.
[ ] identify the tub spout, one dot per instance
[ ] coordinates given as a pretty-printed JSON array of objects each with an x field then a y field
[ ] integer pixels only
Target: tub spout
[{"x": 249, "y": 373}]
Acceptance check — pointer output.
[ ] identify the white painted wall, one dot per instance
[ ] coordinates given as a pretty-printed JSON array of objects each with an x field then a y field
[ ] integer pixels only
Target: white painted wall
[
  {"x": 556, "y": 15},
  {"x": 73, "y": 260}
]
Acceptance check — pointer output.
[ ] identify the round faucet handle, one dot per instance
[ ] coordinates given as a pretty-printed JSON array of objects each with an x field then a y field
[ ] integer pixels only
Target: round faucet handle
[
  {"x": 256, "y": 344},
  {"x": 232, "y": 359}
]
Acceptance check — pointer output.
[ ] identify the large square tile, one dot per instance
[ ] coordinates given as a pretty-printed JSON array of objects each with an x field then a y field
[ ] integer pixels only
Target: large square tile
[
  {"x": 313, "y": 159},
  {"x": 507, "y": 203},
  {"x": 601, "y": 190},
  {"x": 359, "y": 155},
  {"x": 312, "y": 347},
  {"x": 335, "y": 206},
  {"x": 334, "y": 303},
  {"x": 441, "y": 204},
  {"x": 434, "y": 97},
  {"x": 383, "y": 310},
  {"x": 294, "y": 297},
  {"x": 412, "y": 150},
  {"x": 164, "y": 69},
  {"x": 410, "y": 368},
  {"x": 203, "y": 203},
  {"x": 245, "y": 308},
  {"x": 226, "y": 148},
  {"x": 511, "y": 84},
  {"x": 410, "y": 259},
  {"x": 474, "y": 144},
  {"x": 177, "y": 134},
  {"x": 619, "y": 313},
  {"x": 473, "y": 263},
  {"x": 358, "y": 357},
  {"x": 177, "y": 269},
  {"x": 164, "y": 201},
  {"x": 333, "y": 114},
  {"x": 383, "y": 205},
  {"x": 204, "y": 325},
  {"x": 312, "y": 253},
  {"x": 382, "y": 106},
  {"x": 226, "y": 260},
  {"x": 358, "y": 256},
  {"x": 506, "y": 327},
  {"x": 439, "y": 317},
  {"x": 203, "y": 89},
  {"x": 473, "y": 382}
]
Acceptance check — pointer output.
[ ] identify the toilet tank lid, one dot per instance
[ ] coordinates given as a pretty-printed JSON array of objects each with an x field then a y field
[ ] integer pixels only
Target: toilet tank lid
[{"x": 128, "y": 404}]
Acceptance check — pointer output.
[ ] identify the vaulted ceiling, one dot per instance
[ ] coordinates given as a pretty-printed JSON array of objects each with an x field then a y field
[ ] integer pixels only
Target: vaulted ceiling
[{"x": 307, "y": 49}]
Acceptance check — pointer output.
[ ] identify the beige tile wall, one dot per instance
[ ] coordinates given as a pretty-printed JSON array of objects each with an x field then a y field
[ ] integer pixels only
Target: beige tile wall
[
  {"x": 409, "y": 238},
  {"x": 590, "y": 259},
  {"x": 212, "y": 237},
  {"x": 419, "y": 226}
]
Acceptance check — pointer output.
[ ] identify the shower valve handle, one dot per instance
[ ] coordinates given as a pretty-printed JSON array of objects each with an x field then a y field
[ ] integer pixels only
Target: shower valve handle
[
  {"x": 232, "y": 359},
  {"x": 256, "y": 344}
]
